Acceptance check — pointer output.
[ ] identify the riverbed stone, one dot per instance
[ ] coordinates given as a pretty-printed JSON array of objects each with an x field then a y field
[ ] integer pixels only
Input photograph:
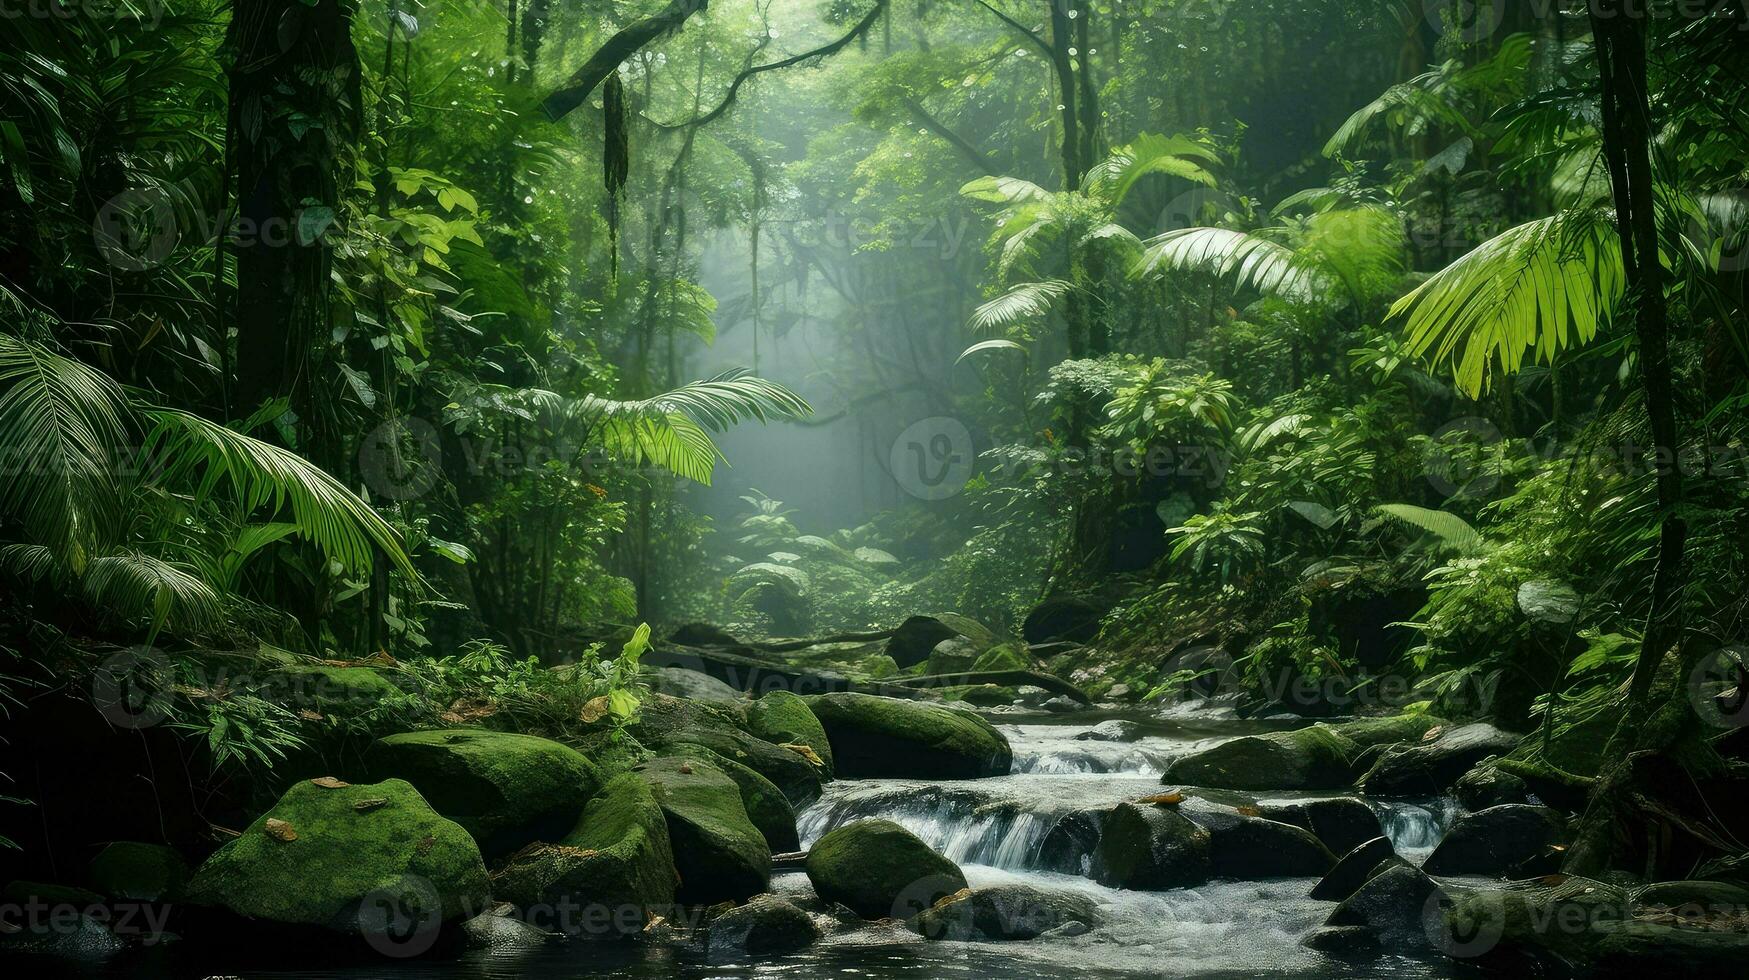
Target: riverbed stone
[
  {"x": 783, "y": 718},
  {"x": 1357, "y": 867},
  {"x": 1004, "y": 912},
  {"x": 139, "y": 872},
  {"x": 1342, "y": 939},
  {"x": 666, "y": 722},
  {"x": 1395, "y": 905},
  {"x": 1246, "y": 847},
  {"x": 682, "y": 682},
  {"x": 1487, "y": 785},
  {"x": 1150, "y": 848},
  {"x": 615, "y": 867},
  {"x": 506, "y": 789},
  {"x": 1341, "y": 823},
  {"x": 878, "y": 870},
  {"x": 1430, "y": 767},
  {"x": 917, "y": 637},
  {"x": 1307, "y": 758},
  {"x": 326, "y": 848},
  {"x": 719, "y": 854},
  {"x": 1512, "y": 840},
  {"x": 876, "y": 738},
  {"x": 1113, "y": 730},
  {"x": 768, "y": 925},
  {"x": 1388, "y": 730},
  {"x": 766, "y": 806}
]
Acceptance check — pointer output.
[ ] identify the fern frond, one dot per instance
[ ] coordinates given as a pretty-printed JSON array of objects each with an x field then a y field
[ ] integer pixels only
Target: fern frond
[
  {"x": 1269, "y": 267},
  {"x": 1026, "y": 301}
]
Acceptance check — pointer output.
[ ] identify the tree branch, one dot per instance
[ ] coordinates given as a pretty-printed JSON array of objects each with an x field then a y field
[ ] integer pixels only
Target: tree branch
[
  {"x": 1026, "y": 32},
  {"x": 618, "y": 48},
  {"x": 958, "y": 142}
]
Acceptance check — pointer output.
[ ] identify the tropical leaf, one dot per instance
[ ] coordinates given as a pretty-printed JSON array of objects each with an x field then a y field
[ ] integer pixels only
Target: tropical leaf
[
  {"x": 990, "y": 345},
  {"x": 1026, "y": 301},
  {"x": 1446, "y": 526},
  {"x": 1150, "y": 153},
  {"x": 1535, "y": 290},
  {"x": 1004, "y": 190},
  {"x": 669, "y": 430},
  {"x": 1267, "y": 266},
  {"x": 134, "y": 585}
]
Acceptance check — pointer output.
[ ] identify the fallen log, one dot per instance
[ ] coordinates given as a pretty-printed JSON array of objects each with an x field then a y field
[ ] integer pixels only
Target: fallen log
[{"x": 1001, "y": 678}]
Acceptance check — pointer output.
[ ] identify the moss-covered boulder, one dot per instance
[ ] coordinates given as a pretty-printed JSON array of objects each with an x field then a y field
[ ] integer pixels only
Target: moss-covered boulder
[
  {"x": 766, "y": 805},
  {"x": 1247, "y": 847},
  {"x": 917, "y": 637},
  {"x": 330, "y": 689},
  {"x": 1004, "y": 912},
  {"x": 953, "y": 655},
  {"x": 134, "y": 871},
  {"x": 613, "y": 870},
  {"x": 329, "y": 854},
  {"x": 1004, "y": 656},
  {"x": 880, "y": 870},
  {"x": 1309, "y": 758},
  {"x": 1513, "y": 840},
  {"x": 1366, "y": 732},
  {"x": 1150, "y": 848},
  {"x": 506, "y": 789},
  {"x": 718, "y": 853},
  {"x": 666, "y": 723},
  {"x": 875, "y": 737},
  {"x": 1432, "y": 766},
  {"x": 784, "y": 719},
  {"x": 766, "y": 926}
]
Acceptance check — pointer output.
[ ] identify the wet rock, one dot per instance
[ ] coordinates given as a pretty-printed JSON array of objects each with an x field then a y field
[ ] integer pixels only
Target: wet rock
[
  {"x": 1341, "y": 823},
  {"x": 1063, "y": 704},
  {"x": 1115, "y": 730},
  {"x": 1431, "y": 767},
  {"x": 1638, "y": 948},
  {"x": 1150, "y": 848},
  {"x": 615, "y": 867},
  {"x": 499, "y": 932},
  {"x": 1512, "y": 840},
  {"x": 1394, "y": 905},
  {"x": 917, "y": 637},
  {"x": 765, "y": 804},
  {"x": 1390, "y": 730},
  {"x": 1342, "y": 939},
  {"x": 1558, "y": 920},
  {"x": 1487, "y": 785},
  {"x": 506, "y": 789},
  {"x": 664, "y": 723},
  {"x": 328, "y": 850},
  {"x": 680, "y": 682},
  {"x": 1356, "y": 868},
  {"x": 875, "y": 737},
  {"x": 879, "y": 870},
  {"x": 1308, "y": 758},
  {"x": 718, "y": 852},
  {"x": 767, "y": 925},
  {"x": 1070, "y": 844},
  {"x": 784, "y": 719},
  {"x": 133, "y": 871},
  {"x": 1250, "y": 848},
  {"x": 1002, "y": 912},
  {"x": 55, "y": 922},
  {"x": 954, "y": 655},
  {"x": 1063, "y": 618}
]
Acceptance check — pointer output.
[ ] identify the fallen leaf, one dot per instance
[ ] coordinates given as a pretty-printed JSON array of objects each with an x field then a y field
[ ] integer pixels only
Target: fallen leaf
[
  {"x": 308, "y": 715},
  {"x": 329, "y": 782},
  {"x": 1248, "y": 811},
  {"x": 1164, "y": 799},
  {"x": 686, "y": 768},
  {"x": 280, "y": 830},
  {"x": 805, "y": 751},
  {"x": 960, "y": 895},
  {"x": 365, "y": 806},
  {"x": 594, "y": 710},
  {"x": 655, "y": 922},
  {"x": 1433, "y": 733}
]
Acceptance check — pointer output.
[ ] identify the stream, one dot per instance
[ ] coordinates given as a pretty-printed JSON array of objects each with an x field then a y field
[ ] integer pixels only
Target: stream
[{"x": 997, "y": 830}]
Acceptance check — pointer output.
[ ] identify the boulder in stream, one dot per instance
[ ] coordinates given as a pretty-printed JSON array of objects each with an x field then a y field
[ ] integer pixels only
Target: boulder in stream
[
  {"x": 1001, "y": 912},
  {"x": 875, "y": 738},
  {"x": 784, "y": 719},
  {"x": 1430, "y": 767},
  {"x": 1306, "y": 758},
  {"x": 765, "y": 804},
  {"x": 1342, "y": 822},
  {"x": 1357, "y": 867},
  {"x": 335, "y": 856},
  {"x": 1397, "y": 905},
  {"x": 917, "y": 637},
  {"x": 613, "y": 870},
  {"x": 1150, "y": 848},
  {"x": 506, "y": 789},
  {"x": 719, "y": 854},
  {"x": 666, "y": 722},
  {"x": 767, "y": 925},
  {"x": 1246, "y": 847},
  {"x": 1513, "y": 840},
  {"x": 880, "y": 870}
]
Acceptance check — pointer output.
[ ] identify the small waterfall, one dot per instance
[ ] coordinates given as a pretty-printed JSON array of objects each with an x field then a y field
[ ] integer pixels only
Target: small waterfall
[
  {"x": 1415, "y": 829},
  {"x": 967, "y": 827}
]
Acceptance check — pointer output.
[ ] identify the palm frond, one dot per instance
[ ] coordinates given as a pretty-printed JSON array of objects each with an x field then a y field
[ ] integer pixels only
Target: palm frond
[
  {"x": 1269, "y": 267},
  {"x": 137, "y": 586},
  {"x": 330, "y": 516},
  {"x": 1536, "y": 289},
  {"x": 669, "y": 430},
  {"x": 1025, "y": 301},
  {"x": 1004, "y": 190},
  {"x": 1150, "y": 153},
  {"x": 1447, "y": 527},
  {"x": 62, "y": 426},
  {"x": 982, "y": 346}
]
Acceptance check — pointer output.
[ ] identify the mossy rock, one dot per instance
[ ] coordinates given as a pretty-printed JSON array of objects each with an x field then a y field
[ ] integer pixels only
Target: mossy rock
[
  {"x": 615, "y": 867},
  {"x": 1004, "y": 912},
  {"x": 1150, "y": 848},
  {"x": 1308, "y": 758},
  {"x": 328, "y": 851},
  {"x": 765, "y": 803},
  {"x": 139, "y": 872},
  {"x": 879, "y": 870},
  {"x": 954, "y": 655},
  {"x": 506, "y": 789},
  {"x": 783, "y": 718},
  {"x": 1004, "y": 656},
  {"x": 1367, "y": 732},
  {"x": 328, "y": 689},
  {"x": 766, "y": 926},
  {"x": 718, "y": 852},
  {"x": 875, "y": 737},
  {"x": 916, "y": 638},
  {"x": 666, "y": 722},
  {"x": 980, "y": 695}
]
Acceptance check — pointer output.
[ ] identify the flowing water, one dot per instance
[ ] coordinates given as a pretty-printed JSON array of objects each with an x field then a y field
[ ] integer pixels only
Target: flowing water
[{"x": 997, "y": 830}]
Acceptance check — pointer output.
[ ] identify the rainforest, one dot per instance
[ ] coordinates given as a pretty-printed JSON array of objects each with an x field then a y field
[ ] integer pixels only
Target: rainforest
[{"x": 894, "y": 489}]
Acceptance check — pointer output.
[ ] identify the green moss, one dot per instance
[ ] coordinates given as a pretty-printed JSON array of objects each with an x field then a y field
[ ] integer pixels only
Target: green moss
[
  {"x": 719, "y": 854},
  {"x": 506, "y": 789},
  {"x": 330, "y": 689},
  {"x": 782, "y": 717},
  {"x": 1309, "y": 758},
  {"x": 879, "y": 869},
  {"x": 982, "y": 695},
  {"x": 1365, "y": 732},
  {"x": 765, "y": 804},
  {"x": 350, "y": 841},
  {"x": 1004, "y": 656},
  {"x": 665, "y": 722},
  {"x": 876, "y": 737},
  {"x": 140, "y": 872},
  {"x": 615, "y": 866}
]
